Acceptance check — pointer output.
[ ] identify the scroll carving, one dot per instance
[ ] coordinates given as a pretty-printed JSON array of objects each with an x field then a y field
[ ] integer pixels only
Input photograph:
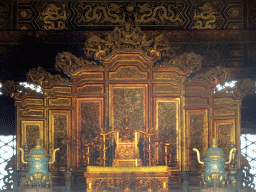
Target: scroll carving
[
  {"x": 186, "y": 61},
  {"x": 126, "y": 37},
  {"x": 69, "y": 63}
]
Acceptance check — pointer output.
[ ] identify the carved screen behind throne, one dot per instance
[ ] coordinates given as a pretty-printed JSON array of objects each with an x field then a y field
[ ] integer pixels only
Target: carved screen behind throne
[{"x": 128, "y": 100}]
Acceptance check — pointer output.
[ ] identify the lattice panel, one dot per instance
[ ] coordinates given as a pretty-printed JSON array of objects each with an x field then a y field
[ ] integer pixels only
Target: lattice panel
[
  {"x": 248, "y": 150},
  {"x": 7, "y": 152}
]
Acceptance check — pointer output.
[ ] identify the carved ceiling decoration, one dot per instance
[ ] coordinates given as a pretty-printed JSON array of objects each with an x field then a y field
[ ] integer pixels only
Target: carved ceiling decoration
[{"x": 81, "y": 14}]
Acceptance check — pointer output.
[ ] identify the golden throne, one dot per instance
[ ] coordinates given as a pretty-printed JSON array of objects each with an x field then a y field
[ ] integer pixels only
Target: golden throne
[
  {"x": 127, "y": 151},
  {"x": 127, "y": 172}
]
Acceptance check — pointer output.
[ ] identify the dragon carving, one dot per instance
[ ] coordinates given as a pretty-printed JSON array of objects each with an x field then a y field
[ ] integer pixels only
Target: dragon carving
[
  {"x": 15, "y": 90},
  {"x": 100, "y": 14},
  {"x": 160, "y": 12},
  {"x": 186, "y": 62},
  {"x": 68, "y": 63},
  {"x": 206, "y": 18},
  {"x": 126, "y": 37},
  {"x": 213, "y": 76},
  {"x": 53, "y": 16},
  {"x": 40, "y": 76}
]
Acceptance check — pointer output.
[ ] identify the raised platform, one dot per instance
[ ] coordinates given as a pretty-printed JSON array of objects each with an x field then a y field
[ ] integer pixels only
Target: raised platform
[
  {"x": 153, "y": 178},
  {"x": 155, "y": 169}
]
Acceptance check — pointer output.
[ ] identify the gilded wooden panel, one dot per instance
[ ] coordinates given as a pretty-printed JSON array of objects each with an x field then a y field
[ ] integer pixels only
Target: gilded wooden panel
[
  {"x": 32, "y": 113},
  {"x": 224, "y": 111},
  {"x": 91, "y": 76},
  {"x": 196, "y": 101},
  {"x": 30, "y": 101},
  {"x": 221, "y": 101},
  {"x": 127, "y": 181},
  {"x": 168, "y": 128},
  {"x": 166, "y": 88},
  {"x": 225, "y": 132},
  {"x": 164, "y": 75},
  {"x": 90, "y": 119},
  {"x": 59, "y": 130},
  {"x": 195, "y": 89},
  {"x": 91, "y": 89},
  {"x": 128, "y": 101},
  {"x": 32, "y": 130},
  {"x": 61, "y": 90},
  {"x": 197, "y": 135},
  {"x": 128, "y": 72},
  {"x": 60, "y": 102}
]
